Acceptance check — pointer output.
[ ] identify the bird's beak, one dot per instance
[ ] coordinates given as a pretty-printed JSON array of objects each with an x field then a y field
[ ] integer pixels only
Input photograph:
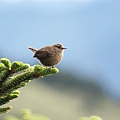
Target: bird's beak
[{"x": 64, "y": 48}]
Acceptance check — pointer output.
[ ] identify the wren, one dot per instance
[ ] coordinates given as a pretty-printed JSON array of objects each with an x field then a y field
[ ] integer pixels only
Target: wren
[{"x": 49, "y": 55}]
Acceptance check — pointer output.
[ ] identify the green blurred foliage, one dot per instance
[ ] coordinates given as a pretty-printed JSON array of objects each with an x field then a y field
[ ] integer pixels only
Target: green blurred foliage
[
  {"x": 91, "y": 118},
  {"x": 26, "y": 115}
]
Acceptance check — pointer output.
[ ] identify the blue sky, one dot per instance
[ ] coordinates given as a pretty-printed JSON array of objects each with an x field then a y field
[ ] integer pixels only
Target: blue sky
[{"x": 88, "y": 28}]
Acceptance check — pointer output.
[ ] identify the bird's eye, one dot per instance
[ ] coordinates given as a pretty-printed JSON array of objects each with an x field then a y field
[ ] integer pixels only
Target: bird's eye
[{"x": 58, "y": 46}]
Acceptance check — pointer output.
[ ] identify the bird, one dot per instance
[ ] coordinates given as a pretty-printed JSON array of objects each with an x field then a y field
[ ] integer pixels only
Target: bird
[{"x": 49, "y": 56}]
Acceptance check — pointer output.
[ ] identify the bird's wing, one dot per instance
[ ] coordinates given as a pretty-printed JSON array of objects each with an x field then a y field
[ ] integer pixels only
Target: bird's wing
[{"x": 44, "y": 53}]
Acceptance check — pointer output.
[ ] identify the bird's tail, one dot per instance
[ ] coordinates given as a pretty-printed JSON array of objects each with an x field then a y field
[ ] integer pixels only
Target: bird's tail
[{"x": 33, "y": 49}]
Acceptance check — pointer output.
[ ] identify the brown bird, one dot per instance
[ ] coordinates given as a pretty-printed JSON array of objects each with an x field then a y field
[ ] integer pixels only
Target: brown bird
[{"x": 49, "y": 55}]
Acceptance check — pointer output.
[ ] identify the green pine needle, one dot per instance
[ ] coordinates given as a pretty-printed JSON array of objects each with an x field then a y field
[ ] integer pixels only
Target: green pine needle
[{"x": 16, "y": 75}]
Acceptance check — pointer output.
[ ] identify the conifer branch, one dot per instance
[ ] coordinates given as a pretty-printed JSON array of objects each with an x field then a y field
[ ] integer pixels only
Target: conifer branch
[
  {"x": 5, "y": 109},
  {"x": 16, "y": 75}
]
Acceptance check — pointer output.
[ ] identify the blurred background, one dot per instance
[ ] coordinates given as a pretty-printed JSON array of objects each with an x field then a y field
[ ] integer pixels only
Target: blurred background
[{"x": 89, "y": 79}]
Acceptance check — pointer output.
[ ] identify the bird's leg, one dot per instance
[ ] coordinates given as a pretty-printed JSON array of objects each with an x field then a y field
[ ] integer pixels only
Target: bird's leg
[{"x": 41, "y": 76}]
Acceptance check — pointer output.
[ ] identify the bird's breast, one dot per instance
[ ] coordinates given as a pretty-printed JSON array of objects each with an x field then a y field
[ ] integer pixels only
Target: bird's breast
[{"x": 51, "y": 59}]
